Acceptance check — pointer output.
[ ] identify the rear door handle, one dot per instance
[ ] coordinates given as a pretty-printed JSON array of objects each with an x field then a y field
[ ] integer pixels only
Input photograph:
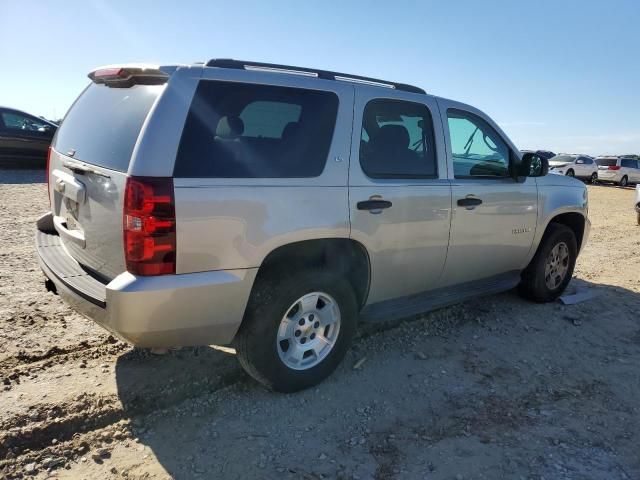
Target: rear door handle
[
  {"x": 374, "y": 204},
  {"x": 469, "y": 202}
]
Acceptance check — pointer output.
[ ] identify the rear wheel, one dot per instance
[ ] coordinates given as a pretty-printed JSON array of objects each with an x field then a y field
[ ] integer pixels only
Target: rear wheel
[
  {"x": 551, "y": 269},
  {"x": 624, "y": 181},
  {"x": 571, "y": 173},
  {"x": 594, "y": 178},
  {"x": 296, "y": 330}
]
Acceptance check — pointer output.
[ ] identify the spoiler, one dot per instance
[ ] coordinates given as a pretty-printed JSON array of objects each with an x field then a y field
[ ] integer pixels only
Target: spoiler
[{"x": 127, "y": 76}]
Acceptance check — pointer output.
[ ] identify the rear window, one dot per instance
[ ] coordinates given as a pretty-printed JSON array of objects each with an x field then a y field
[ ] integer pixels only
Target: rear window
[
  {"x": 237, "y": 130},
  {"x": 103, "y": 125},
  {"x": 607, "y": 162}
]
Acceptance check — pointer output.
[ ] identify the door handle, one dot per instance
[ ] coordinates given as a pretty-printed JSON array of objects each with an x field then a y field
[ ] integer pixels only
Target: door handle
[
  {"x": 469, "y": 202},
  {"x": 374, "y": 204}
]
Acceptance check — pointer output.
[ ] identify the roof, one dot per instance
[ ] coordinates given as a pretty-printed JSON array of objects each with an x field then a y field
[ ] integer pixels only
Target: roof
[{"x": 310, "y": 72}]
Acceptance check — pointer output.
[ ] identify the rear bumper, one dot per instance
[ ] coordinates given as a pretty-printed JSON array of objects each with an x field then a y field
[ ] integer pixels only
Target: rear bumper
[
  {"x": 164, "y": 311},
  {"x": 609, "y": 176}
]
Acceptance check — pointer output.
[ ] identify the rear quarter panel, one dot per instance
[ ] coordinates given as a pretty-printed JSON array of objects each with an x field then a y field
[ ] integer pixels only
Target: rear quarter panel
[{"x": 227, "y": 223}]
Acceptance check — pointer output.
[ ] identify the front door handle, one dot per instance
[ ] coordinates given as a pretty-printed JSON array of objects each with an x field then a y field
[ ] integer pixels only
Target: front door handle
[
  {"x": 374, "y": 204},
  {"x": 469, "y": 202}
]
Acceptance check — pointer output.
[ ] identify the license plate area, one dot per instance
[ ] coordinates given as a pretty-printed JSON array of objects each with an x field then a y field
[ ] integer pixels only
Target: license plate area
[{"x": 71, "y": 215}]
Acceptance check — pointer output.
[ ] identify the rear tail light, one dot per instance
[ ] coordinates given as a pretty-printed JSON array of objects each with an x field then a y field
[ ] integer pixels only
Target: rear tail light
[
  {"x": 614, "y": 167},
  {"x": 48, "y": 164},
  {"x": 149, "y": 226}
]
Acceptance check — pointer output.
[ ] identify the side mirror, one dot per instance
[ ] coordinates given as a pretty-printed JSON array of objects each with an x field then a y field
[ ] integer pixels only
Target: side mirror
[{"x": 533, "y": 165}]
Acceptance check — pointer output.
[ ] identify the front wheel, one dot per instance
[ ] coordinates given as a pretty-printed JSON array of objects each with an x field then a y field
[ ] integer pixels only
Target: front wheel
[
  {"x": 571, "y": 173},
  {"x": 552, "y": 266},
  {"x": 296, "y": 330}
]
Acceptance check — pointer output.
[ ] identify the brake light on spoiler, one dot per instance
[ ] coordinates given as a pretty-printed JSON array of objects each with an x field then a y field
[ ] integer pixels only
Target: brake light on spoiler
[{"x": 127, "y": 76}]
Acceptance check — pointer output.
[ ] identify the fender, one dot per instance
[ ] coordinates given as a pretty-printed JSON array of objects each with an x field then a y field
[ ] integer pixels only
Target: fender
[{"x": 559, "y": 195}]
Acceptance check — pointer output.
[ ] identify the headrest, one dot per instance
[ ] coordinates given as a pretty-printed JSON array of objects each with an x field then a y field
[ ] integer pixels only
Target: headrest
[
  {"x": 229, "y": 127},
  {"x": 290, "y": 130},
  {"x": 392, "y": 136}
]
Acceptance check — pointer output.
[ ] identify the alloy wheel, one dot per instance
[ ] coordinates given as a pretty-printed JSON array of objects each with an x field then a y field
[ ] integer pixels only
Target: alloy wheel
[
  {"x": 308, "y": 331},
  {"x": 556, "y": 266}
]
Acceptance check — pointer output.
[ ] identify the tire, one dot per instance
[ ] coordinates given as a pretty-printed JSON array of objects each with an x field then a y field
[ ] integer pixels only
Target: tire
[
  {"x": 594, "y": 178},
  {"x": 275, "y": 296},
  {"x": 571, "y": 173},
  {"x": 638, "y": 218},
  {"x": 624, "y": 181},
  {"x": 534, "y": 284}
]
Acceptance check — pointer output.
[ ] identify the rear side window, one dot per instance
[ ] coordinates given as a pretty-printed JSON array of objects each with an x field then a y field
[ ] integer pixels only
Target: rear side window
[
  {"x": 397, "y": 140},
  {"x": 237, "y": 130},
  {"x": 628, "y": 163},
  {"x": 104, "y": 123}
]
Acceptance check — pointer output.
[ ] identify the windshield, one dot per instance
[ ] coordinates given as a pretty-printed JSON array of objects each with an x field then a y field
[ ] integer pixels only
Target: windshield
[
  {"x": 103, "y": 125},
  {"x": 562, "y": 159}
]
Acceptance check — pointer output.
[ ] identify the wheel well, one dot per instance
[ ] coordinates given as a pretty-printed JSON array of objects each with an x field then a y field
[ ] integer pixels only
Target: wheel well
[
  {"x": 343, "y": 255},
  {"x": 575, "y": 221}
]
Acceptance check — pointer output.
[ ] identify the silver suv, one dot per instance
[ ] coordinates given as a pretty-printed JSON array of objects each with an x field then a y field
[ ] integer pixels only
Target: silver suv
[
  {"x": 270, "y": 207},
  {"x": 620, "y": 170}
]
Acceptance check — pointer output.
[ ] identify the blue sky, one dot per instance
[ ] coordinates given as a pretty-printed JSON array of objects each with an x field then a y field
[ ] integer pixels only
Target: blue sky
[{"x": 562, "y": 75}]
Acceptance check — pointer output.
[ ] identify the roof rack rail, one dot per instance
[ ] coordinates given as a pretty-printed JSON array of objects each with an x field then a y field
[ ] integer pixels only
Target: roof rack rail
[{"x": 311, "y": 72}]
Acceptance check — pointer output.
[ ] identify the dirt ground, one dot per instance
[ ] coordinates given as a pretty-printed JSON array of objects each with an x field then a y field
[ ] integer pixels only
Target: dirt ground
[{"x": 494, "y": 388}]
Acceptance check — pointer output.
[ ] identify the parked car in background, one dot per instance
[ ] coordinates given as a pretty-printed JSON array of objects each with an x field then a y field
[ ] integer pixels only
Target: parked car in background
[
  {"x": 235, "y": 203},
  {"x": 24, "y": 139},
  {"x": 574, "y": 165},
  {"x": 546, "y": 154},
  {"x": 619, "y": 170},
  {"x": 637, "y": 202}
]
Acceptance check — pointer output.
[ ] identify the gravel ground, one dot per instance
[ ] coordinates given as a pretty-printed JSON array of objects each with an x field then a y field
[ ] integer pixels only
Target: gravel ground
[{"x": 494, "y": 388}]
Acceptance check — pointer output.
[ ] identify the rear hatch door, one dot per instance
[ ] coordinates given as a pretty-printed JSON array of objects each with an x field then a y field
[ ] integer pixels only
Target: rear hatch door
[{"x": 88, "y": 168}]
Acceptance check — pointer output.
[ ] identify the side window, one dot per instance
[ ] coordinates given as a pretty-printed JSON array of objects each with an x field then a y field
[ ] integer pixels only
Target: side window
[
  {"x": 397, "y": 140},
  {"x": 15, "y": 121},
  {"x": 237, "y": 130},
  {"x": 588, "y": 161},
  {"x": 477, "y": 149},
  {"x": 269, "y": 119},
  {"x": 628, "y": 163}
]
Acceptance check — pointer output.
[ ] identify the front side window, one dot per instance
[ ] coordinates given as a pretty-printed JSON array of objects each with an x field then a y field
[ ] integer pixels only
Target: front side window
[
  {"x": 16, "y": 121},
  {"x": 397, "y": 140},
  {"x": 238, "y": 130},
  {"x": 476, "y": 148}
]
